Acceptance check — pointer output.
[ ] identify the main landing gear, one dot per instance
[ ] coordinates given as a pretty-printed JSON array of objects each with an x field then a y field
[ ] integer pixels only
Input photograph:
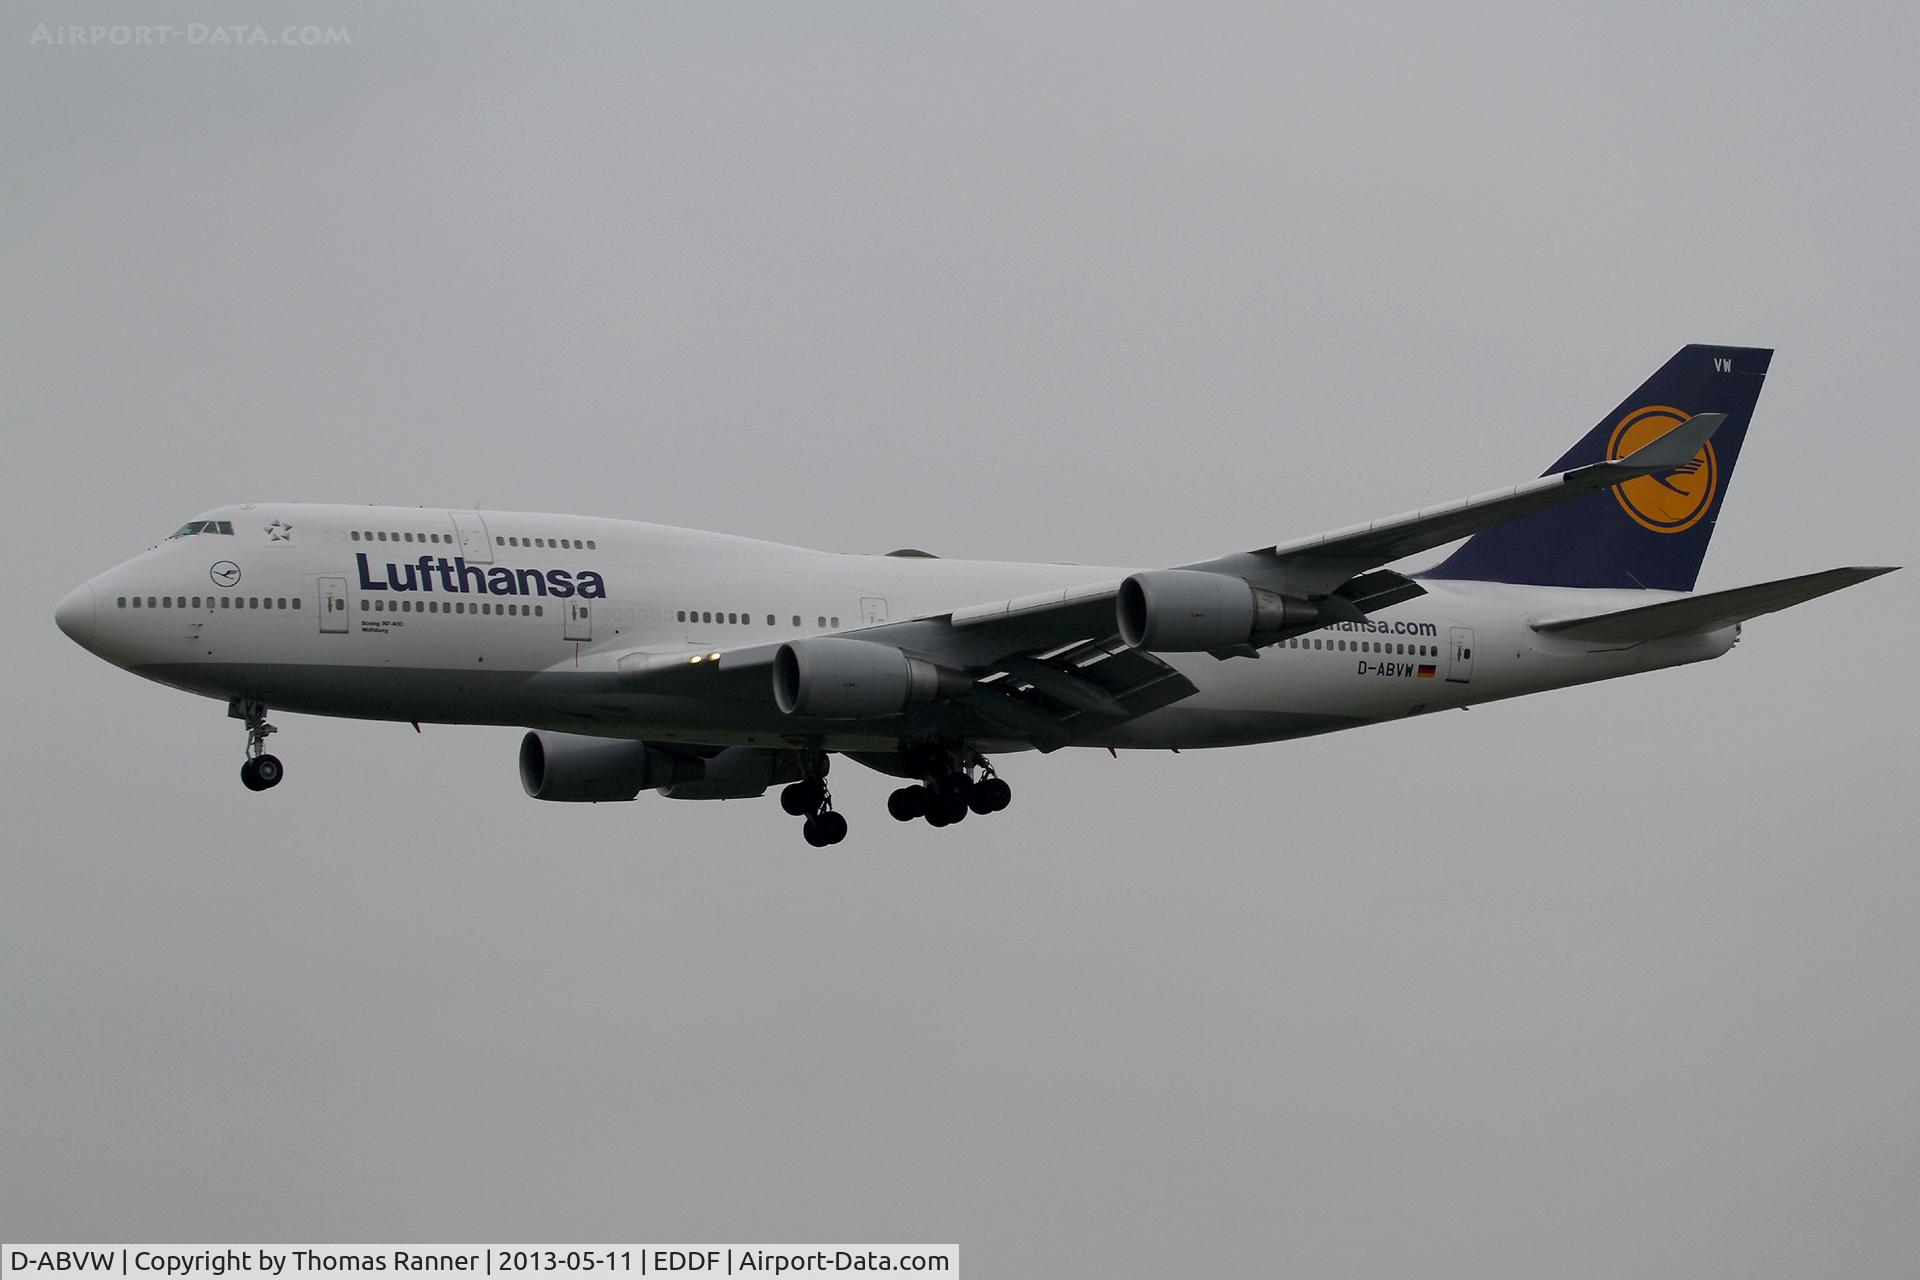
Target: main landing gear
[
  {"x": 261, "y": 771},
  {"x": 809, "y": 798},
  {"x": 956, "y": 785}
]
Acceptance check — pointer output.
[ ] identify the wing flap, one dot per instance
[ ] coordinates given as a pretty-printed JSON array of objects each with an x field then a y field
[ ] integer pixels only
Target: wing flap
[{"x": 1707, "y": 612}]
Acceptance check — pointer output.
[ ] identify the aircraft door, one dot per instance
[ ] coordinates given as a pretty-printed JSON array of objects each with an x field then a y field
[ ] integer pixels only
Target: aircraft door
[
  {"x": 873, "y": 609},
  {"x": 476, "y": 546},
  {"x": 1460, "y": 661},
  {"x": 579, "y": 620},
  {"x": 333, "y": 605}
]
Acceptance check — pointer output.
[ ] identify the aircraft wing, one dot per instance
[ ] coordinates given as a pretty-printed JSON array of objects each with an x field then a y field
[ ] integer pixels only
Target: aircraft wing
[
  {"x": 1042, "y": 667},
  {"x": 1045, "y": 664},
  {"x": 1317, "y": 566}
]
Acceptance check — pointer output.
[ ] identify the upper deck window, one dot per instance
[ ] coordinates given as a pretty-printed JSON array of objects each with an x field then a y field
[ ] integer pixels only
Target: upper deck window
[{"x": 192, "y": 527}]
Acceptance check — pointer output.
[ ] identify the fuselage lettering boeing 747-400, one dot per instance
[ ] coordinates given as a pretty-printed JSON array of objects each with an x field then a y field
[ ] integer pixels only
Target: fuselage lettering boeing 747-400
[{"x": 712, "y": 667}]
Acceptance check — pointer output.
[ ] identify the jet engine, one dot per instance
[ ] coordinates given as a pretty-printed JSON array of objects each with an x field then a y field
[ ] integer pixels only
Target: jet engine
[
  {"x": 839, "y": 678},
  {"x": 572, "y": 766},
  {"x": 1188, "y": 611}
]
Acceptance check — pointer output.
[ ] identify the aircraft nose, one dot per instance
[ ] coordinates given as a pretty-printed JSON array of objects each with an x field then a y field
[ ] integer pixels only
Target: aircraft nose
[{"x": 75, "y": 615}]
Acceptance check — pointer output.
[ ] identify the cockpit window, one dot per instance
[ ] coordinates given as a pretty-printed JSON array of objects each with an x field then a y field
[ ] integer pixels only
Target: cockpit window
[{"x": 192, "y": 527}]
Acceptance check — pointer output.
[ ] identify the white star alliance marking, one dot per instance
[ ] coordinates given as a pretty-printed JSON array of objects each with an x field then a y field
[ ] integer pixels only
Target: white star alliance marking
[{"x": 280, "y": 532}]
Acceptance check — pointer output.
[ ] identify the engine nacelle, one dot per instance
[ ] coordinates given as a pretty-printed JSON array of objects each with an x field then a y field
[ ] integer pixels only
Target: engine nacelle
[
  {"x": 839, "y": 678},
  {"x": 577, "y": 767},
  {"x": 1189, "y": 611}
]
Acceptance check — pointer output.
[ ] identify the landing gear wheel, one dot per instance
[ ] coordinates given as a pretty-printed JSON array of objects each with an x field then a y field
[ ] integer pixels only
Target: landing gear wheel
[
  {"x": 803, "y": 797},
  {"x": 991, "y": 793},
  {"x": 260, "y": 770},
  {"x": 267, "y": 771},
  {"x": 823, "y": 829},
  {"x": 945, "y": 810},
  {"x": 907, "y": 803}
]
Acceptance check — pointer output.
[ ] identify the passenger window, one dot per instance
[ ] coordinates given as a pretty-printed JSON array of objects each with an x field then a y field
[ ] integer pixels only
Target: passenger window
[
  {"x": 355, "y": 535},
  {"x": 592, "y": 545},
  {"x": 296, "y": 602},
  {"x": 365, "y": 604},
  {"x": 539, "y": 611},
  {"x": 769, "y": 619},
  {"x": 123, "y": 602}
]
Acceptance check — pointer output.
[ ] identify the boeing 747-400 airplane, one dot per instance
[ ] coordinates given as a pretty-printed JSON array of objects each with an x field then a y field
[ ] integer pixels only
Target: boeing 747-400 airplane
[{"x": 713, "y": 667}]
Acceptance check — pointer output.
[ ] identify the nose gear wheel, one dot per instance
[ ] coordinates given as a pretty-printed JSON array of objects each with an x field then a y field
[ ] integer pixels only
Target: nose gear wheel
[{"x": 260, "y": 771}]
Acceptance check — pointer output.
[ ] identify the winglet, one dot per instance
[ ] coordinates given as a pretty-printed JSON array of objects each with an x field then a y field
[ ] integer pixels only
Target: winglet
[{"x": 1676, "y": 448}]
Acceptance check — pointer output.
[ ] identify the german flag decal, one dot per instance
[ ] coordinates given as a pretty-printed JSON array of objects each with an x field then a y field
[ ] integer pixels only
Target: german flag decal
[{"x": 1425, "y": 672}]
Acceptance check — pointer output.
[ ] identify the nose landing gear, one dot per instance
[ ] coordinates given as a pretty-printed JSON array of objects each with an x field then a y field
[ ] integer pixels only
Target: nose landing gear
[{"x": 261, "y": 771}]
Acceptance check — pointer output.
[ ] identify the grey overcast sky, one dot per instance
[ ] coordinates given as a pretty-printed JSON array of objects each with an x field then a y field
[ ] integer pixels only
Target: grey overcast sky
[{"x": 1614, "y": 981}]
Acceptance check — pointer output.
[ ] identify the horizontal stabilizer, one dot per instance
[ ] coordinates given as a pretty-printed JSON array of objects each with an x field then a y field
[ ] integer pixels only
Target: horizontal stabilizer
[{"x": 1707, "y": 612}]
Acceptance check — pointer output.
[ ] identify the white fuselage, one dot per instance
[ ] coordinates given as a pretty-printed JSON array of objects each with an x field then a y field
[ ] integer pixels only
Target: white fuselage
[{"x": 400, "y": 613}]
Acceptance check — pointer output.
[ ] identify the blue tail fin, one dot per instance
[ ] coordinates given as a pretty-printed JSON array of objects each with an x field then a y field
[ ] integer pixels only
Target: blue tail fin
[{"x": 1650, "y": 532}]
